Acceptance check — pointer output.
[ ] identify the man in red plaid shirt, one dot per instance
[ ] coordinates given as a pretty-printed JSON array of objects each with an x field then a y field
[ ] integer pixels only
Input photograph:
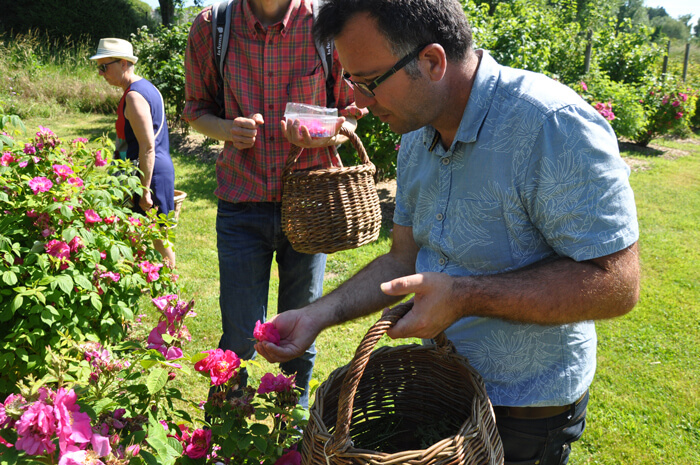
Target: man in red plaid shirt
[{"x": 271, "y": 60}]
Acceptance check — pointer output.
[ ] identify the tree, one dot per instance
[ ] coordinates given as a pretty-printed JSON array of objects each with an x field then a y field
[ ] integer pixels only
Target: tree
[
  {"x": 168, "y": 7},
  {"x": 697, "y": 29},
  {"x": 79, "y": 19}
]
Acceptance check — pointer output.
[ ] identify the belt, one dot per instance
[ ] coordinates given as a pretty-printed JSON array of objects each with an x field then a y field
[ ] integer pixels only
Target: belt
[{"x": 535, "y": 413}]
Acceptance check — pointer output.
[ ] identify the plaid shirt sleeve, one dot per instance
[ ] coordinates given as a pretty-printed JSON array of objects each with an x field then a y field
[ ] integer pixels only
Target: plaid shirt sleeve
[{"x": 200, "y": 70}]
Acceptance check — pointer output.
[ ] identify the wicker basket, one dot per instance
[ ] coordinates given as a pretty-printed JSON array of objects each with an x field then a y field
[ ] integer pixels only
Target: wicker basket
[
  {"x": 411, "y": 404},
  {"x": 333, "y": 209},
  {"x": 179, "y": 199}
]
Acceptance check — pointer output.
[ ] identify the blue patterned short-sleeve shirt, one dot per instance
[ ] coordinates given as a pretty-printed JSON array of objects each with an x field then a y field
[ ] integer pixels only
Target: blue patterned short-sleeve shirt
[{"x": 533, "y": 173}]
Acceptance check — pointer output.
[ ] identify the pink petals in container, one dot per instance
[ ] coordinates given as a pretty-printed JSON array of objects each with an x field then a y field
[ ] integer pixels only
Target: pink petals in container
[{"x": 320, "y": 121}]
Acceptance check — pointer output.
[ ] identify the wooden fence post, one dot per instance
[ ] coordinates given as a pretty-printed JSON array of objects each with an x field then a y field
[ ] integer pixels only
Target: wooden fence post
[
  {"x": 589, "y": 49},
  {"x": 664, "y": 70},
  {"x": 685, "y": 60}
]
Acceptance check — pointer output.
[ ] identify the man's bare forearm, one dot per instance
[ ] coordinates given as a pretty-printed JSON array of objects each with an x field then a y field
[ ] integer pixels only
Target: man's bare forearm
[
  {"x": 558, "y": 292},
  {"x": 213, "y": 127}
]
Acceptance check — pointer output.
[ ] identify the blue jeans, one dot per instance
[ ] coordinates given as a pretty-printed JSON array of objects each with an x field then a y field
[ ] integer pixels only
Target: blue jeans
[
  {"x": 248, "y": 235},
  {"x": 546, "y": 441}
]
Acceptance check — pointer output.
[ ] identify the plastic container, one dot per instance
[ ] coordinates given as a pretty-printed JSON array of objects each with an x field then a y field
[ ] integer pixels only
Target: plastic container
[{"x": 320, "y": 121}]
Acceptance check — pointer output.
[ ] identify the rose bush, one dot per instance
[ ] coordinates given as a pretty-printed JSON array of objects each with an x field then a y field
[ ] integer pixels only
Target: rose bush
[
  {"x": 74, "y": 260},
  {"x": 670, "y": 105},
  {"x": 116, "y": 406}
]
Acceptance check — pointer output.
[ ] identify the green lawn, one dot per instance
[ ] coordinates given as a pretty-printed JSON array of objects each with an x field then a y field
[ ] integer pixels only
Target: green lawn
[{"x": 644, "y": 408}]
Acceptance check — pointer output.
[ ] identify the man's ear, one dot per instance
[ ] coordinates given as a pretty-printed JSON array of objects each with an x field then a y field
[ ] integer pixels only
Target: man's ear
[{"x": 434, "y": 61}]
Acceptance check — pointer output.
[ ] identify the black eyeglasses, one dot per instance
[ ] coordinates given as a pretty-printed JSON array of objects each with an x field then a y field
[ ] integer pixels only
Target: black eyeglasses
[
  {"x": 368, "y": 89},
  {"x": 103, "y": 67}
]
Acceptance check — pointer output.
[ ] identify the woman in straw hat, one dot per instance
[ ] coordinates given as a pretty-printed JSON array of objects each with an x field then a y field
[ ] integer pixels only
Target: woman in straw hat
[{"x": 142, "y": 128}]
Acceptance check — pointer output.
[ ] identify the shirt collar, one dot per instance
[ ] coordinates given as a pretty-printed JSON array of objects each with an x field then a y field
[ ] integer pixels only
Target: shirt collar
[
  {"x": 478, "y": 105},
  {"x": 254, "y": 24}
]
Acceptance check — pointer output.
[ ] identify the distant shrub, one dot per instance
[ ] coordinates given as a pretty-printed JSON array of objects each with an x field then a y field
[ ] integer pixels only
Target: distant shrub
[
  {"x": 381, "y": 144},
  {"x": 69, "y": 19},
  {"x": 162, "y": 61},
  {"x": 670, "y": 106},
  {"x": 623, "y": 99}
]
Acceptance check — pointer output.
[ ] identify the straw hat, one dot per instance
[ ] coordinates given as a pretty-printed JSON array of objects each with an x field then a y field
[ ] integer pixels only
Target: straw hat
[{"x": 115, "y": 48}]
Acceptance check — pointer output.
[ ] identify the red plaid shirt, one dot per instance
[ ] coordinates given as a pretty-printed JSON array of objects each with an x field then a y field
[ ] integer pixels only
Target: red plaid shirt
[{"x": 265, "y": 69}]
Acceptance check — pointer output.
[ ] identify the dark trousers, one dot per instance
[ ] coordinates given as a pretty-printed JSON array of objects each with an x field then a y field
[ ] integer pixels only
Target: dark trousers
[{"x": 545, "y": 441}]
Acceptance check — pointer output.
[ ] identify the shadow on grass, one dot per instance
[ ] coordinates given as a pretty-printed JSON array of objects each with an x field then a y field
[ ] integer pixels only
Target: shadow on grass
[{"x": 640, "y": 150}]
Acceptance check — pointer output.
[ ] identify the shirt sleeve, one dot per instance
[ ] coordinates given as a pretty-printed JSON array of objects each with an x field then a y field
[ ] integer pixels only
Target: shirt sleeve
[
  {"x": 200, "y": 69},
  {"x": 577, "y": 186}
]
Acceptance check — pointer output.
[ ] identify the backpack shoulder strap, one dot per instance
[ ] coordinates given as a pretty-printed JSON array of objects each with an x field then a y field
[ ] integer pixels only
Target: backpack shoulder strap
[
  {"x": 221, "y": 29},
  {"x": 325, "y": 51}
]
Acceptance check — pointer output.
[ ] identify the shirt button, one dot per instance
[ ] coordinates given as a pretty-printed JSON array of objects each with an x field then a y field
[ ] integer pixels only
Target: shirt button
[
  {"x": 439, "y": 216},
  {"x": 269, "y": 74},
  {"x": 272, "y": 138},
  {"x": 446, "y": 161},
  {"x": 442, "y": 261},
  {"x": 270, "y": 106}
]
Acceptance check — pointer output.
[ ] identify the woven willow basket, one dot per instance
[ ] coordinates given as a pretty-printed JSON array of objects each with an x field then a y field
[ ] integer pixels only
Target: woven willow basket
[
  {"x": 333, "y": 209},
  {"x": 411, "y": 404}
]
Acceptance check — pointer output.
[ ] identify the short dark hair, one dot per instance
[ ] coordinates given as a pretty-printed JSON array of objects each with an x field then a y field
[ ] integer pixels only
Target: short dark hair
[{"x": 406, "y": 24}]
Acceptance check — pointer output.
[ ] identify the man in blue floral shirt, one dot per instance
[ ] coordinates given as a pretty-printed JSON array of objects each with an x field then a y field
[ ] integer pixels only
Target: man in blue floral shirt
[{"x": 515, "y": 224}]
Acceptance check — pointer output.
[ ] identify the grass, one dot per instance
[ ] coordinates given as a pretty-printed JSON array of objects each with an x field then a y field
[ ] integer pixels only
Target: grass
[{"x": 644, "y": 406}]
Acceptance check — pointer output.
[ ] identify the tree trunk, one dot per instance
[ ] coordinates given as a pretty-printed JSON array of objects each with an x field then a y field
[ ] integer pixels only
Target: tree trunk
[{"x": 167, "y": 12}]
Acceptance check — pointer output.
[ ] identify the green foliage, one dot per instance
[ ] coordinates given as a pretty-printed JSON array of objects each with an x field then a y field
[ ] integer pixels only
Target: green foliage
[
  {"x": 86, "y": 19},
  {"x": 72, "y": 256},
  {"x": 528, "y": 35},
  {"x": 669, "y": 106},
  {"x": 42, "y": 77},
  {"x": 126, "y": 393},
  {"x": 162, "y": 61},
  {"x": 629, "y": 116},
  {"x": 626, "y": 53},
  {"x": 381, "y": 144}
]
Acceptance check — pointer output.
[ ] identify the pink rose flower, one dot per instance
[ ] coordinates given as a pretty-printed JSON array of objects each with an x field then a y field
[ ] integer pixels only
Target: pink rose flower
[
  {"x": 40, "y": 184},
  {"x": 73, "y": 425},
  {"x": 272, "y": 383},
  {"x": 111, "y": 275},
  {"x": 161, "y": 302},
  {"x": 91, "y": 216},
  {"x": 290, "y": 458},
  {"x": 80, "y": 457},
  {"x": 75, "y": 181},
  {"x": 266, "y": 332},
  {"x": 151, "y": 270},
  {"x": 584, "y": 86},
  {"x": 6, "y": 159},
  {"x": 76, "y": 244},
  {"x": 99, "y": 161},
  {"x": 58, "y": 249},
  {"x": 221, "y": 366},
  {"x": 62, "y": 170},
  {"x": 198, "y": 444},
  {"x": 36, "y": 429}
]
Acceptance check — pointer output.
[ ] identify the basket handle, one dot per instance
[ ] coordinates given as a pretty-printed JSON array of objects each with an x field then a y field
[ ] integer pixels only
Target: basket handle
[
  {"x": 295, "y": 150},
  {"x": 340, "y": 440}
]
